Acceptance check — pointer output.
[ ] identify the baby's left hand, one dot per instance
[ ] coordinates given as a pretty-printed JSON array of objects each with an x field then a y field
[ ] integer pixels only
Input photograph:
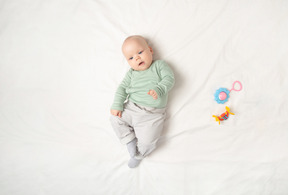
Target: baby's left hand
[{"x": 153, "y": 94}]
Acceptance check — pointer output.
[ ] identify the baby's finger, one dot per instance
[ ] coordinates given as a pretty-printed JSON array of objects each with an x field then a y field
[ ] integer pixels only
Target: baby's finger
[{"x": 120, "y": 114}]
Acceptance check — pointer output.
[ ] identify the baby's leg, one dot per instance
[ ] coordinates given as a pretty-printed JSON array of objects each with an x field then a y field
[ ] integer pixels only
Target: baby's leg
[
  {"x": 148, "y": 132},
  {"x": 126, "y": 134}
]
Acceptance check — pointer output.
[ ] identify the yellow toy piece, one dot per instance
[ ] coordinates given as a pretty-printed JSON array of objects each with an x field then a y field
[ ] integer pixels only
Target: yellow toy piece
[{"x": 223, "y": 116}]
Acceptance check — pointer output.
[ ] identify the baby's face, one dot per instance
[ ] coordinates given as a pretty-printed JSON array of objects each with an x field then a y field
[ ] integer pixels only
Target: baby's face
[{"x": 137, "y": 53}]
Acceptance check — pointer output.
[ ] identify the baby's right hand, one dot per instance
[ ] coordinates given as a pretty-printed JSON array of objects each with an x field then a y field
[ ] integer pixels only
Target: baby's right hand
[{"x": 116, "y": 113}]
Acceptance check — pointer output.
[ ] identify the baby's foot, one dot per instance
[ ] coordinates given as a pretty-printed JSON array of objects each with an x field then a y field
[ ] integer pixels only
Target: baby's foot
[
  {"x": 132, "y": 147},
  {"x": 133, "y": 163}
]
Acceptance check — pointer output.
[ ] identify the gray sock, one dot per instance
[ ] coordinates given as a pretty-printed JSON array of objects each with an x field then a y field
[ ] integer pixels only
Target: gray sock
[
  {"x": 133, "y": 163},
  {"x": 132, "y": 147}
]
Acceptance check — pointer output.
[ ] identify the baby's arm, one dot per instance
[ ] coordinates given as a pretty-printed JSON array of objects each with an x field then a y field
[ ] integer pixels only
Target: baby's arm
[
  {"x": 120, "y": 96},
  {"x": 166, "y": 83}
]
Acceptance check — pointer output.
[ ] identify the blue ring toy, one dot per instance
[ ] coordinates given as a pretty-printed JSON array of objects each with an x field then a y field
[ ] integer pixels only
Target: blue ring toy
[{"x": 216, "y": 95}]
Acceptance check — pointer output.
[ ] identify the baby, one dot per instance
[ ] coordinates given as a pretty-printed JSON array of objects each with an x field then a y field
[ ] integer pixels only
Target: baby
[{"x": 138, "y": 110}]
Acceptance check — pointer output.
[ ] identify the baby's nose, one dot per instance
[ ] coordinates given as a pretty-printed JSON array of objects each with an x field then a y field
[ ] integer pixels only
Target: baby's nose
[{"x": 138, "y": 57}]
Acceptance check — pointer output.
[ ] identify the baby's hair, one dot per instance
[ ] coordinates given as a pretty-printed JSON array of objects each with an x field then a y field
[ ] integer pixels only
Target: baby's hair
[{"x": 136, "y": 36}]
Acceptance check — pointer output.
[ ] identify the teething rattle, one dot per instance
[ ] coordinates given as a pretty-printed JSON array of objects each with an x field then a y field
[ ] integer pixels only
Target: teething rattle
[
  {"x": 223, "y": 116},
  {"x": 222, "y": 94}
]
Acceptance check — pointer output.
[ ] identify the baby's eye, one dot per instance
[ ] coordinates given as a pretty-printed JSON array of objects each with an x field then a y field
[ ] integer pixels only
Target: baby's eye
[
  {"x": 131, "y": 58},
  {"x": 140, "y": 52}
]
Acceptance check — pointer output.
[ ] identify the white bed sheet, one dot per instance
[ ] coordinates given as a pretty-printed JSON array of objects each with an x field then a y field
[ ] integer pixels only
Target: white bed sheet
[{"x": 61, "y": 62}]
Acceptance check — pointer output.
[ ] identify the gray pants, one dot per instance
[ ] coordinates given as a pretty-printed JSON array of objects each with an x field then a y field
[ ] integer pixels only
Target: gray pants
[{"x": 144, "y": 123}]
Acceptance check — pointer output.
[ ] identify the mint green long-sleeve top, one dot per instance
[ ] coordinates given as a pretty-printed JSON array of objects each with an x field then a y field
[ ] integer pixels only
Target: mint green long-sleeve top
[{"x": 136, "y": 85}]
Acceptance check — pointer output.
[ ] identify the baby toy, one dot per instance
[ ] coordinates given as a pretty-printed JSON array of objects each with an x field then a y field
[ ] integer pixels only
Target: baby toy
[
  {"x": 222, "y": 94},
  {"x": 223, "y": 116}
]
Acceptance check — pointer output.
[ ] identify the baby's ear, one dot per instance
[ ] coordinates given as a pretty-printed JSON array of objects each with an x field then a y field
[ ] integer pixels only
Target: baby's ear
[{"x": 151, "y": 50}]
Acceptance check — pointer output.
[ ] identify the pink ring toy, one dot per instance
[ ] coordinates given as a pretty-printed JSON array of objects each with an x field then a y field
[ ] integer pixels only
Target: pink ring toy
[{"x": 233, "y": 85}]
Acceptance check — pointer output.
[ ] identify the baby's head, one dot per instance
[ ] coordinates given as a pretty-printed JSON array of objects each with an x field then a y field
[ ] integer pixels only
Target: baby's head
[{"x": 137, "y": 52}]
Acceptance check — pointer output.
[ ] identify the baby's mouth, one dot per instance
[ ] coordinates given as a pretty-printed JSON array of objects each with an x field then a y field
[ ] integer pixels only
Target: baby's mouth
[{"x": 141, "y": 63}]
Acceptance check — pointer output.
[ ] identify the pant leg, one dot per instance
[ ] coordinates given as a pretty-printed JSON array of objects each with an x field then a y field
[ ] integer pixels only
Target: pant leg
[
  {"x": 148, "y": 127},
  {"x": 122, "y": 126}
]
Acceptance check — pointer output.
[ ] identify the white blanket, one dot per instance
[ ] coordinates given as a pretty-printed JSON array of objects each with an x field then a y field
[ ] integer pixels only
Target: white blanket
[{"x": 61, "y": 62}]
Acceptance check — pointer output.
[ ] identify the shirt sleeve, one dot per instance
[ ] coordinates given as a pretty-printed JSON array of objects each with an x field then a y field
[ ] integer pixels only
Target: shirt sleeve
[
  {"x": 121, "y": 95},
  {"x": 167, "y": 79}
]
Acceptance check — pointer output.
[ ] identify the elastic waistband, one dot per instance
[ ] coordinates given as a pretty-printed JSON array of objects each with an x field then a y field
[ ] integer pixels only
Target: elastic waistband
[{"x": 148, "y": 109}]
